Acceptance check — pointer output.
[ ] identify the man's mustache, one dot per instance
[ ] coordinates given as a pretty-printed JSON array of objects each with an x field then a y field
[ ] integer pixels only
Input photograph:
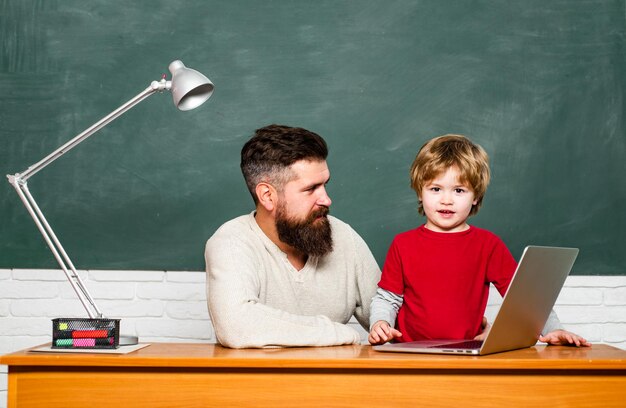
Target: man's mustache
[{"x": 321, "y": 212}]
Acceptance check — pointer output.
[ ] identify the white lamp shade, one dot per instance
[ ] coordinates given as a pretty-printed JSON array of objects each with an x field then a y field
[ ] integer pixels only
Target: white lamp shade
[{"x": 190, "y": 88}]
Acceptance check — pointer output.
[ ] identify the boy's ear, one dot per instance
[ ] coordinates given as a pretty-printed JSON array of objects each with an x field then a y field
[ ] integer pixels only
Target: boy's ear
[
  {"x": 476, "y": 200},
  {"x": 267, "y": 195}
]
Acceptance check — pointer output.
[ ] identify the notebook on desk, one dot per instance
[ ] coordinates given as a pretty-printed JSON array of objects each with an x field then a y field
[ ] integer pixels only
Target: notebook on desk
[{"x": 538, "y": 279}]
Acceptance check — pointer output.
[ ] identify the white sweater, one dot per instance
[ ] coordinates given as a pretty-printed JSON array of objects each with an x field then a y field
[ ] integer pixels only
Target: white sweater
[{"x": 256, "y": 298}]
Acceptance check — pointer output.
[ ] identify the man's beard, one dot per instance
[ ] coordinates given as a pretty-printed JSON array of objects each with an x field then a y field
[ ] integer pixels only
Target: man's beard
[{"x": 311, "y": 236}]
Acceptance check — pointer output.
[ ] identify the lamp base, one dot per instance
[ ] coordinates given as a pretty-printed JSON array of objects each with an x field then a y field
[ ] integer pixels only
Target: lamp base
[
  {"x": 91, "y": 333},
  {"x": 128, "y": 340}
]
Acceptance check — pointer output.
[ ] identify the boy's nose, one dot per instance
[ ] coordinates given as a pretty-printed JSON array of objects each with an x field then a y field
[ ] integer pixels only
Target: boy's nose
[{"x": 446, "y": 198}]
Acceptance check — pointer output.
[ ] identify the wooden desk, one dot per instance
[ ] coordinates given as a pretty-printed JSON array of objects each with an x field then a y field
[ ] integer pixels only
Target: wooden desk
[{"x": 202, "y": 375}]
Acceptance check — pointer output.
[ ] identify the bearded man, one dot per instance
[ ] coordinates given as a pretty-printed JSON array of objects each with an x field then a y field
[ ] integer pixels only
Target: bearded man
[{"x": 288, "y": 274}]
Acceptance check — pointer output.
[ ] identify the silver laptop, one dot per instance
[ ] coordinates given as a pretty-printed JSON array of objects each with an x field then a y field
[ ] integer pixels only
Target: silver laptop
[{"x": 536, "y": 284}]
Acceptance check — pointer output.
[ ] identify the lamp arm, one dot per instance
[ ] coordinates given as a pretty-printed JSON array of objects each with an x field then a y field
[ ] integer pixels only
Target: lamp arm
[
  {"x": 19, "y": 182},
  {"x": 57, "y": 249},
  {"x": 155, "y": 86}
]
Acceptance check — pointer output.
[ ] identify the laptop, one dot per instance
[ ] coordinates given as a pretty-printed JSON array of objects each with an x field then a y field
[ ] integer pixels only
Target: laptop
[{"x": 538, "y": 279}]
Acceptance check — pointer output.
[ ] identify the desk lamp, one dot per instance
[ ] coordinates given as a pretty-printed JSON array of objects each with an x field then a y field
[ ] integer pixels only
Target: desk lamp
[{"x": 189, "y": 90}]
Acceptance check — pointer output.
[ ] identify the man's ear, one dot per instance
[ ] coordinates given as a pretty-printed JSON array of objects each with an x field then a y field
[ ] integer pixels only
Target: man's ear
[{"x": 267, "y": 196}]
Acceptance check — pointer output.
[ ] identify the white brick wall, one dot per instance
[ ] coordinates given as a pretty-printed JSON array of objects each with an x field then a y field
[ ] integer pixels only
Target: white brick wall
[{"x": 171, "y": 306}]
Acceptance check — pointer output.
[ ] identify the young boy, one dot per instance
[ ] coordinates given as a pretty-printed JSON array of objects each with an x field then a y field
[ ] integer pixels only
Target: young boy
[{"x": 436, "y": 277}]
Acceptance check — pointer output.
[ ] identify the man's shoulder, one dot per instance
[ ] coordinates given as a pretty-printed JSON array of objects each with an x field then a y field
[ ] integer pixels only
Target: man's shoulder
[
  {"x": 234, "y": 224},
  {"x": 334, "y": 221},
  {"x": 344, "y": 235},
  {"x": 340, "y": 228},
  {"x": 237, "y": 227}
]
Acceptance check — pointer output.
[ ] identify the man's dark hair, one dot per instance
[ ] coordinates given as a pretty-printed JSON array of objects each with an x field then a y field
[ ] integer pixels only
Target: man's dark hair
[{"x": 267, "y": 156}]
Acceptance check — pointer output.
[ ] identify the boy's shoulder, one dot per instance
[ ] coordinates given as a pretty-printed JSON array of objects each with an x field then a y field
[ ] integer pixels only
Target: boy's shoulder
[
  {"x": 422, "y": 232},
  {"x": 484, "y": 232}
]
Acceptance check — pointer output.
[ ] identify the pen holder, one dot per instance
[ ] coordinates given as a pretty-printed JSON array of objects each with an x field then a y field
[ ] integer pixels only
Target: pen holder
[{"x": 85, "y": 333}]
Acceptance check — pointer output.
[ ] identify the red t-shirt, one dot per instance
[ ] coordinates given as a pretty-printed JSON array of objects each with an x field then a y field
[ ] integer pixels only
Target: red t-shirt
[{"x": 444, "y": 278}]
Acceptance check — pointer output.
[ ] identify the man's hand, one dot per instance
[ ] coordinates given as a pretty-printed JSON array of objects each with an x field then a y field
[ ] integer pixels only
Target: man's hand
[
  {"x": 564, "y": 338},
  {"x": 382, "y": 333},
  {"x": 484, "y": 330}
]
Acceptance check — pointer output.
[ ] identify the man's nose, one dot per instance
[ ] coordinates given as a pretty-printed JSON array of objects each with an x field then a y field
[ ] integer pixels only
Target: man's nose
[{"x": 324, "y": 199}]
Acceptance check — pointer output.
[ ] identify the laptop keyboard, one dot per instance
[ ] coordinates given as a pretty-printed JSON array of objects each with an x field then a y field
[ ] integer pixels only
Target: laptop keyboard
[{"x": 466, "y": 344}]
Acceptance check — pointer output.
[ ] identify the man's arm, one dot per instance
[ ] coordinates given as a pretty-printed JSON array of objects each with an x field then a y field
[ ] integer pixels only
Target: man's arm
[{"x": 241, "y": 321}]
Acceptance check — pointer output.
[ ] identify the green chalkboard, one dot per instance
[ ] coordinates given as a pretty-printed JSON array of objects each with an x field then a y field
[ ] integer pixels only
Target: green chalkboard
[{"x": 540, "y": 84}]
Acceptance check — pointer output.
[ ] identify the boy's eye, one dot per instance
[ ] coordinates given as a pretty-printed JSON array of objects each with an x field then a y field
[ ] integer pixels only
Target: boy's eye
[
  {"x": 459, "y": 190},
  {"x": 435, "y": 189}
]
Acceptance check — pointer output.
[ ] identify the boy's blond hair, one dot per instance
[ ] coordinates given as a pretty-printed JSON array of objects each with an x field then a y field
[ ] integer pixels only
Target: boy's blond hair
[{"x": 443, "y": 152}]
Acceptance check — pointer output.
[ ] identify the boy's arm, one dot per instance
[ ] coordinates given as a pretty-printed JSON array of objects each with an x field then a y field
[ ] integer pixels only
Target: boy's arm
[
  {"x": 384, "y": 310},
  {"x": 553, "y": 323},
  {"x": 553, "y": 333},
  {"x": 385, "y": 306},
  {"x": 562, "y": 337}
]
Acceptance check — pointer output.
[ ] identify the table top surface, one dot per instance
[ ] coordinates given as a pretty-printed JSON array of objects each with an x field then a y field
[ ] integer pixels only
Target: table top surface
[{"x": 198, "y": 355}]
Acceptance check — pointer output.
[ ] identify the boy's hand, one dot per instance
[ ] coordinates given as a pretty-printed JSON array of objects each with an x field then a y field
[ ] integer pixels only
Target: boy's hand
[
  {"x": 564, "y": 338},
  {"x": 381, "y": 333},
  {"x": 484, "y": 330}
]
